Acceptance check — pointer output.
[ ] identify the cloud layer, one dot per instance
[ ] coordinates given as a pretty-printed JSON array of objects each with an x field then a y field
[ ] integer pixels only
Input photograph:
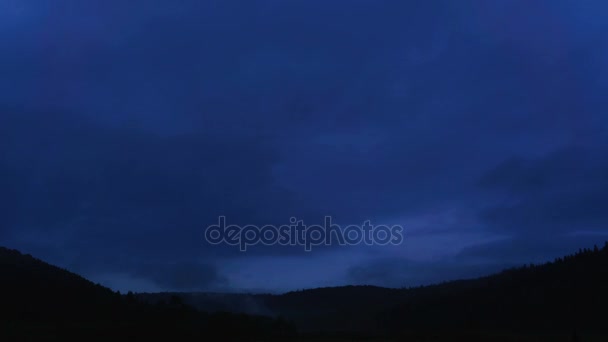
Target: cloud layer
[{"x": 126, "y": 128}]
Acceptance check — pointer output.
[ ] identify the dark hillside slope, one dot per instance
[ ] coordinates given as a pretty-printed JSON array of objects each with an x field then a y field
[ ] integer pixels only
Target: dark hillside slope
[
  {"x": 35, "y": 290},
  {"x": 44, "y": 302},
  {"x": 569, "y": 294},
  {"x": 566, "y": 295}
]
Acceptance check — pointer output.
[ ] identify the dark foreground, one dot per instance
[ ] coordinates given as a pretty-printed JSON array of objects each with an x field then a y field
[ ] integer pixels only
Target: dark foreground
[{"x": 565, "y": 300}]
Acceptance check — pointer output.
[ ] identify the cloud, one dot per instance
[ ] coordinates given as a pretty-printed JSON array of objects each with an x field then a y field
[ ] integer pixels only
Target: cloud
[
  {"x": 185, "y": 276},
  {"x": 476, "y": 260},
  {"x": 128, "y": 127},
  {"x": 401, "y": 272},
  {"x": 64, "y": 168},
  {"x": 563, "y": 191},
  {"x": 525, "y": 249}
]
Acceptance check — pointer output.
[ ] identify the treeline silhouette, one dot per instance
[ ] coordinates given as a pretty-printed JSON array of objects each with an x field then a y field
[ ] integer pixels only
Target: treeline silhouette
[
  {"x": 44, "y": 302},
  {"x": 568, "y": 295},
  {"x": 565, "y": 300},
  {"x": 565, "y": 297}
]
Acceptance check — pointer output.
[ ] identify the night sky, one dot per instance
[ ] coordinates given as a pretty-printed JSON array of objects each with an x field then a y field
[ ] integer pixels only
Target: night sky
[{"x": 128, "y": 126}]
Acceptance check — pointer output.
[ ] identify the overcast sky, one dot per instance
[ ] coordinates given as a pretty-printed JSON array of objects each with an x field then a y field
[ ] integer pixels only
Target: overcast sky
[{"x": 128, "y": 127}]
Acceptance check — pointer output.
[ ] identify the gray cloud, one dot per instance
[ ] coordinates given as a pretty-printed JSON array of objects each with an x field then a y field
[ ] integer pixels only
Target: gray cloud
[
  {"x": 187, "y": 276},
  {"x": 400, "y": 272},
  {"x": 123, "y": 135},
  {"x": 472, "y": 261},
  {"x": 564, "y": 191}
]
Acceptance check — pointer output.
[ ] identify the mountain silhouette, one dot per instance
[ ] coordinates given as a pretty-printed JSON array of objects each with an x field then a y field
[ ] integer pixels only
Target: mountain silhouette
[
  {"x": 567, "y": 297},
  {"x": 42, "y": 302},
  {"x": 560, "y": 300}
]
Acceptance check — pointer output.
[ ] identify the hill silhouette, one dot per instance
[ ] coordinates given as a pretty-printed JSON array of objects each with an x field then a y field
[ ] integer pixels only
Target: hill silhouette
[
  {"x": 567, "y": 297},
  {"x": 44, "y": 302},
  {"x": 563, "y": 300}
]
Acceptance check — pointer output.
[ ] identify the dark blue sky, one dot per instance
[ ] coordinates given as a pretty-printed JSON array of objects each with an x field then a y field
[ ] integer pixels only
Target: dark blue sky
[{"x": 128, "y": 127}]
